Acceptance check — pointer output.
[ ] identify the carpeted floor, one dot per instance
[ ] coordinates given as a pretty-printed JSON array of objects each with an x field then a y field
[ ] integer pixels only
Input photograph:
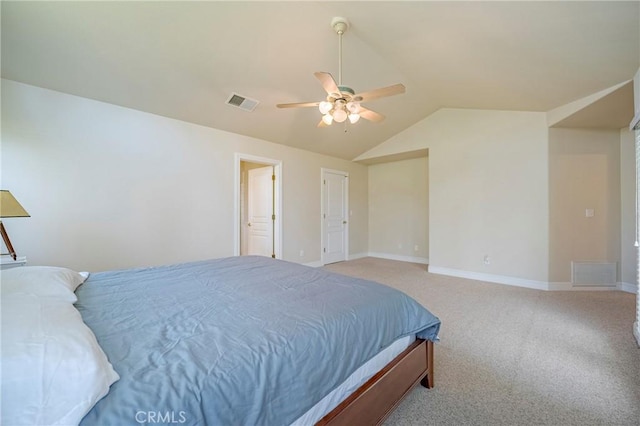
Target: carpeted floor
[{"x": 515, "y": 356}]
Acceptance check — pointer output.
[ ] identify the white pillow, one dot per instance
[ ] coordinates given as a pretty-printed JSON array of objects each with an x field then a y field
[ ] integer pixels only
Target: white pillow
[
  {"x": 42, "y": 281},
  {"x": 53, "y": 370}
]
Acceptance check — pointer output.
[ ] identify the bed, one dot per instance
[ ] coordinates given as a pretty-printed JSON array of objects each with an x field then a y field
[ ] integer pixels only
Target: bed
[{"x": 251, "y": 341}]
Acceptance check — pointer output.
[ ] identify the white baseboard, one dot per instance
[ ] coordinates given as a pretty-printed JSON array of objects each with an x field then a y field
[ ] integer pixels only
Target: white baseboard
[
  {"x": 628, "y": 287},
  {"x": 498, "y": 279},
  {"x": 318, "y": 263},
  {"x": 357, "y": 256},
  {"x": 521, "y": 282},
  {"x": 636, "y": 331},
  {"x": 555, "y": 286},
  {"x": 492, "y": 278},
  {"x": 412, "y": 259}
]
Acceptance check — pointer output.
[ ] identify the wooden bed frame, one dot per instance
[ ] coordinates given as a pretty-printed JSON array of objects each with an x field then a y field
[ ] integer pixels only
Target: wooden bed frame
[{"x": 372, "y": 403}]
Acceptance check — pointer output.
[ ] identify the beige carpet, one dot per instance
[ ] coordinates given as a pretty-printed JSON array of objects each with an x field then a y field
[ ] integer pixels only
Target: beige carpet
[{"x": 514, "y": 356}]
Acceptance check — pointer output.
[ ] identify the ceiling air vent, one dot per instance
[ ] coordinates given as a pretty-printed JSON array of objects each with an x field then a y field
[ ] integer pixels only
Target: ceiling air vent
[{"x": 242, "y": 102}]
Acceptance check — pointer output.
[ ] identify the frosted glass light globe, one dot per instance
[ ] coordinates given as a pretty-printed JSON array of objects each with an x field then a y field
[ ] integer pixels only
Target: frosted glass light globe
[
  {"x": 325, "y": 107},
  {"x": 339, "y": 115},
  {"x": 328, "y": 119}
]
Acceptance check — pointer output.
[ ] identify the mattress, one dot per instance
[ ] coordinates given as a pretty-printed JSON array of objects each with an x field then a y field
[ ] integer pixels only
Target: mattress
[
  {"x": 354, "y": 381},
  {"x": 243, "y": 340}
]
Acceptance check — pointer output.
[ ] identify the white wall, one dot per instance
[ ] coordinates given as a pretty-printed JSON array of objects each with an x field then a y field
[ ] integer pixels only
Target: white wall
[
  {"x": 584, "y": 172},
  {"x": 636, "y": 92},
  {"x": 488, "y": 190},
  {"x": 628, "y": 251},
  {"x": 109, "y": 187},
  {"x": 399, "y": 209}
]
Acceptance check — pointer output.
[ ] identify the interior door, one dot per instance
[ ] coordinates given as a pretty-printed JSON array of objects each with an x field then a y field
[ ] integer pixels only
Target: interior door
[
  {"x": 260, "y": 212},
  {"x": 335, "y": 225}
]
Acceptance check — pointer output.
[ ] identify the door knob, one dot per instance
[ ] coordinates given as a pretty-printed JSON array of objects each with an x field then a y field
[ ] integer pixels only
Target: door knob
[
  {"x": 249, "y": 224},
  {"x": 344, "y": 222}
]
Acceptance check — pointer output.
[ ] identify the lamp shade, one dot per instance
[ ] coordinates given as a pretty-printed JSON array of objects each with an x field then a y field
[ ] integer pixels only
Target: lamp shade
[{"x": 9, "y": 206}]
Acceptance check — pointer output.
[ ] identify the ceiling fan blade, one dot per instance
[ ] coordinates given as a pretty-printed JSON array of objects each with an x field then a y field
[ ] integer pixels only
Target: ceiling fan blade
[
  {"x": 396, "y": 89},
  {"x": 298, "y": 105},
  {"x": 329, "y": 84},
  {"x": 370, "y": 115}
]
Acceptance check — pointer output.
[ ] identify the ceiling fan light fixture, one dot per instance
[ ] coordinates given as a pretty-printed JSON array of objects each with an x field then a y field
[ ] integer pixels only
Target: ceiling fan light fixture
[
  {"x": 353, "y": 107},
  {"x": 325, "y": 107},
  {"x": 339, "y": 115},
  {"x": 343, "y": 102},
  {"x": 328, "y": 119}
]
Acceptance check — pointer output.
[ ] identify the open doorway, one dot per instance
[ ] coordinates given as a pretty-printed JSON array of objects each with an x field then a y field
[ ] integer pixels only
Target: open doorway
[
  {"x": 399, "y": 208},
  {"x": 258, "y": 207}
]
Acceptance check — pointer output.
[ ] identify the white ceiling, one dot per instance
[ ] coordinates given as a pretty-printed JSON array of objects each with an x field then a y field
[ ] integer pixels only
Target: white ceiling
[{"x": 184, "y": 59}]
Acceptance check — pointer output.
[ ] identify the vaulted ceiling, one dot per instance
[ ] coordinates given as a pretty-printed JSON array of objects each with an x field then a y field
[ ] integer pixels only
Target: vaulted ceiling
[{"x": 184, "y": 59}]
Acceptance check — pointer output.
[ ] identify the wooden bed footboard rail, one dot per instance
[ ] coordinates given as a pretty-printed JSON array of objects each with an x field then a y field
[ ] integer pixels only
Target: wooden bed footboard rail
[{"x": 376, "y": 399}]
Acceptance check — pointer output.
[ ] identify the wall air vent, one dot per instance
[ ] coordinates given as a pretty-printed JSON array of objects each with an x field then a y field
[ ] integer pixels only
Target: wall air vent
[
  {"x": 242, "y": 102},
  {"x": 593, "y": 273}
]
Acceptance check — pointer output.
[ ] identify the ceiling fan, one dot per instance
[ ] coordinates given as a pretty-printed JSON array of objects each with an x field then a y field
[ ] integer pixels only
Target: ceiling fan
[{"x": 342, "y": 102}]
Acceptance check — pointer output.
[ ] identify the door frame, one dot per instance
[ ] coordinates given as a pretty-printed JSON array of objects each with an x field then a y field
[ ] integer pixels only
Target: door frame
[
  {"x": 277, "y": 170},
  {"x": 323, "y": 171}
]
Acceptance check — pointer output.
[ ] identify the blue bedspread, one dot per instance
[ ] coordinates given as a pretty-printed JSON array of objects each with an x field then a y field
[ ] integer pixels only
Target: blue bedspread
[{"x": 236, "y": 341}]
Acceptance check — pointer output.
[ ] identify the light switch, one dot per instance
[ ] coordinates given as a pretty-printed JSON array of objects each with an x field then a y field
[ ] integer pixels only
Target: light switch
[{"x": 588, "y": 213}]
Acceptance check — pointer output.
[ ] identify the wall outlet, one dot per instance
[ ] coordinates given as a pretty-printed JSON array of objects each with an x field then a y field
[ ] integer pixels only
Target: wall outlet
[
  {"x": 486, "y": 260},
  {"x": 415, "y": 248},
  {"x": 301, "y": 253}
]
